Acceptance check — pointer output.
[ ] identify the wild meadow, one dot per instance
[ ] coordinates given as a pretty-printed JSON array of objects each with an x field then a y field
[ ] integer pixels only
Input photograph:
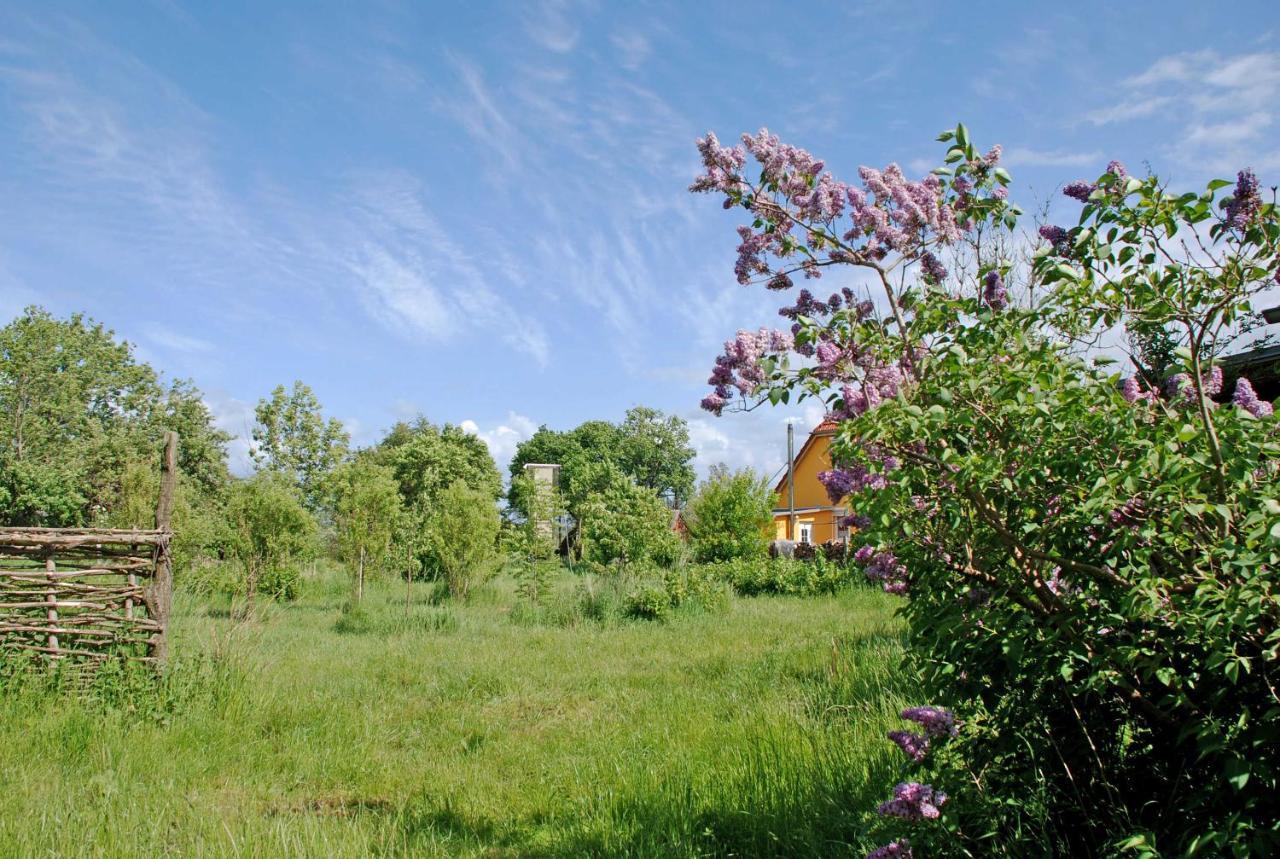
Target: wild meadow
[{"x": 473, "y": 728}]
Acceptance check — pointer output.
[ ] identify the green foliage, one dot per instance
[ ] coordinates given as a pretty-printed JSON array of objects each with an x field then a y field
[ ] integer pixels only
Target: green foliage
[
  {"x": 292, "y": 437},
  {"x": 648, "y": 446},
  {"x": 762, "y": 575},
  {"x": 462, "y": 535},
  {"x": 270, "y": 531},
  {"x": 730, "y": 515},
  {"x": 428, "y": 459},
  {"x": 76, "y": 408},
  {"x": 531, "y": 545},
  {"x": 623, "y": 524},
  {"x": 367, "y": 511},
  {"x": 663, "y": 593},
  {"x": 1090, "y": 574}
]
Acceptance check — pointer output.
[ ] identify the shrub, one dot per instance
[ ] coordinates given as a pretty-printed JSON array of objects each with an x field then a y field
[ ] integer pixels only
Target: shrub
[
  {"x": 662, "y": 593},
  {"x": 751, "y": 577},
  {"x": 627, "y": 524},
  {"x": 270, "y": 530},
  {"x": 1088, "y": 560},
  {"x": 730, "y": 515},
  {"x": 462, "y": 534}
]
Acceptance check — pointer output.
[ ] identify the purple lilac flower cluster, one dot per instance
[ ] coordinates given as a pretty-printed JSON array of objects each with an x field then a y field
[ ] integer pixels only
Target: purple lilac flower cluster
[
  {"x": 843, "y": 482},
  {"x": 739, "y": 366},
  {"x": 1132, "y": 391},
  {"x": 883, "y": 567},
  {"x": 934, "y": 270},
  {"x": 1129, "y": 515},
  {"x": 1245, "y": 397},
  {"x": 1243, "y": 206},
  {"x": 1058, "y": 237},
  {"x": 892, "y": 850},
  {"x": 914, "y": 801},
  {"x": 1179, "y": 386},
  {"x": 994, "y": 293},
  {"x": 1079, "y": 190},
  {"x": 936, "y": 721},
  {"x": 915, "y": 746}
]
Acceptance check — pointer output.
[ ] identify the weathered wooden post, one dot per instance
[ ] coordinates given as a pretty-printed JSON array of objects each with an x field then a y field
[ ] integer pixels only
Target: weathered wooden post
[
  {"x": 51, "y": 597},
  {"x": 162, "y": 589}
]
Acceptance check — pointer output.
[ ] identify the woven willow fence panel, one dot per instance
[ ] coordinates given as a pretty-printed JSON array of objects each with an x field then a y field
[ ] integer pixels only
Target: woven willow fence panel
[{"x": 90, "y": 594}]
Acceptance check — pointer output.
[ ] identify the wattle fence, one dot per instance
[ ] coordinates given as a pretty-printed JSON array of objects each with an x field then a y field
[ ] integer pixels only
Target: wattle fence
[{"x": 90, "y": 594}]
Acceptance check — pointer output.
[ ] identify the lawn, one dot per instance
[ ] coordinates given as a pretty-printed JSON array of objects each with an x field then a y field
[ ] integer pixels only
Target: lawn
[{"x": 473, "y": 731}]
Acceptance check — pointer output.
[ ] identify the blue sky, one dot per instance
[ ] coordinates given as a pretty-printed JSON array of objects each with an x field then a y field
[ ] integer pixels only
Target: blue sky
[{"x": 478, "y": 211}]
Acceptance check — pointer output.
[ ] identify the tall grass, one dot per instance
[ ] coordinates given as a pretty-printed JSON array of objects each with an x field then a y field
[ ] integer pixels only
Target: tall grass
[{"x": 458, "y": 730}]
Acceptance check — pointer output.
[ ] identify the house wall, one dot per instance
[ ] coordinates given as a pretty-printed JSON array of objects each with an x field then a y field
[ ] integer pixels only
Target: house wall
[{"x": 812, "y": 504}]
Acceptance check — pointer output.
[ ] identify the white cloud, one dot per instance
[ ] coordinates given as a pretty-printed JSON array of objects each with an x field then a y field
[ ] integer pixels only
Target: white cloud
[
  {"x": 175, "y": 342},
  {"x": 1223, "y": 106},
  {"x": 398, "y": 294},
  {"x": 1027, "y": 157},
  {"x": 633, "y": 49},
  {"x": 503, "y": 439},
  {"x": 234, "y": 416}
]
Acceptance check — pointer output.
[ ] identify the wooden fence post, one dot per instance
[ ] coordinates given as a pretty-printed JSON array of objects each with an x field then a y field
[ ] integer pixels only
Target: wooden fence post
[
  {"x": 51, "y": 597},
  {"x": 163, "y": 587}
]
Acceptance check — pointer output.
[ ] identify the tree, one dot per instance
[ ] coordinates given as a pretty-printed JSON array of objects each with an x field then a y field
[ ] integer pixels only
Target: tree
[
  {"x": 462, "y": 533},
  {"x": 730, "y": 515},
  {"x": 428, "y": 459},
  {"x": 655, "y": 451},
  {"x": 367, "y": 509},
  {"x": 1087, "y": 556},
  {"x": 292, "y": 437},
  {"x": 626, "y": 524},
  {"x": 75, "y": 408},
  {"x": 270, "y": 527},
  {"x": 649, "y": 447}
]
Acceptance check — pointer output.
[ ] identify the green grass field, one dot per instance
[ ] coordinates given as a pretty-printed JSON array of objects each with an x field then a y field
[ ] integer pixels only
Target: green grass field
[{"x": 467, "y": 731}]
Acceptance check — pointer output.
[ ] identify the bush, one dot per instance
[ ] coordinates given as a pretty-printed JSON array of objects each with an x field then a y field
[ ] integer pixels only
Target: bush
[
  {"x": 779, "y": 576},
  {"x": 730, "y": 515},
  {"x": 462, "y": 534},
  {"x": 662, "y": 594},
  {"x": 626, "y": 524},
  {"x": 1088, "y": 560}
]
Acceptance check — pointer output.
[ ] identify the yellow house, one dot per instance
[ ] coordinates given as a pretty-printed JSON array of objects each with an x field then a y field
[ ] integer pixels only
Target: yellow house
[{"x": 817, "y": 520}]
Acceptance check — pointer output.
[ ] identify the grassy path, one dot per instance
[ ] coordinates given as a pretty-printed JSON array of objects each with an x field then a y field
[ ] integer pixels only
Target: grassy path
[{"x": 754, "y": 732}]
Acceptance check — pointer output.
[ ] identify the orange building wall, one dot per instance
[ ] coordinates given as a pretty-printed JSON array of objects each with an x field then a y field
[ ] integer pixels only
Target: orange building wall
[{"x": 812, "y": 504}]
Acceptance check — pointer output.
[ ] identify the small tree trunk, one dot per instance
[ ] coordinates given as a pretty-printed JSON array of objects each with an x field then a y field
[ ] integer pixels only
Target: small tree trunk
[
  {"x": 360, "y": 577},
  {"x": 251, "y": 586},
  {"x": 408, "y": 583}
]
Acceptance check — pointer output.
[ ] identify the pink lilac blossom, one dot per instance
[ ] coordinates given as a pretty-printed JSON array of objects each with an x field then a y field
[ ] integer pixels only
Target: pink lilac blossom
[
  {"x": 1079, "y": 190},
  {"x": 914, "y": 746},
  {"x": 914, "y": 801},
  {"x": 892, "y": 850},
  {"x": 1116, "y": 169},
  {"x": 883, "y": 567},
  {"x": 739, "y": 367},
  {"x": 1132, "y": 391},
  {"x": 1245, "y": 397},
  {"x": 936, "y": 721},
  {"x": 994, "y": 292},
  {"x": 934, "y": 270},
  {"x": 1243, "y": 206},
  {"x": 1058, "y": 237}
]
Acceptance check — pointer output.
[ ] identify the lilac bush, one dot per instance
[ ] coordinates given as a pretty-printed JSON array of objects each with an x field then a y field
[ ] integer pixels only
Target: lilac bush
[{"x": 1086, "y": 557}]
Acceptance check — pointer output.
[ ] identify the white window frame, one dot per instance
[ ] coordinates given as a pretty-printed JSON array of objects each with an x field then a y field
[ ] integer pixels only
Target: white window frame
[{"x": 805, "y": 530}]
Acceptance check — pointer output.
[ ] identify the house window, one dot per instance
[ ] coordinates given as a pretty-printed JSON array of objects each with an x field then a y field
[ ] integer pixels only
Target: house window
[{"x": 806, "y": 532}]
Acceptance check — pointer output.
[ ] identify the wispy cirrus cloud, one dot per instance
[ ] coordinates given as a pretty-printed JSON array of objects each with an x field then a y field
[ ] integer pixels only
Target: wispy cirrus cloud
[
  {"x": 1222, "y": 105},
  {"x": 1021, "y": 156}
]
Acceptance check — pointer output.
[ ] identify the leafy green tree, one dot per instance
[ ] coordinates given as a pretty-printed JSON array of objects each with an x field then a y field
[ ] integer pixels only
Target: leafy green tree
[
  {"x": 427, "y": 459},
  {"x": 269, "y": 526},
  {"x": 534, "y": 540},
  {"x": 648, "y": 446},
  {"x": 656, "y": 453},
  {"x": 367, "y": 509},
  {"x": 626, "y": 524},
  {"x": 730, "y": 515},
  {"x": 75, "y": 408},
  {"x": 462, "y": 533},
  {"x": 293, "y": 438}
]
